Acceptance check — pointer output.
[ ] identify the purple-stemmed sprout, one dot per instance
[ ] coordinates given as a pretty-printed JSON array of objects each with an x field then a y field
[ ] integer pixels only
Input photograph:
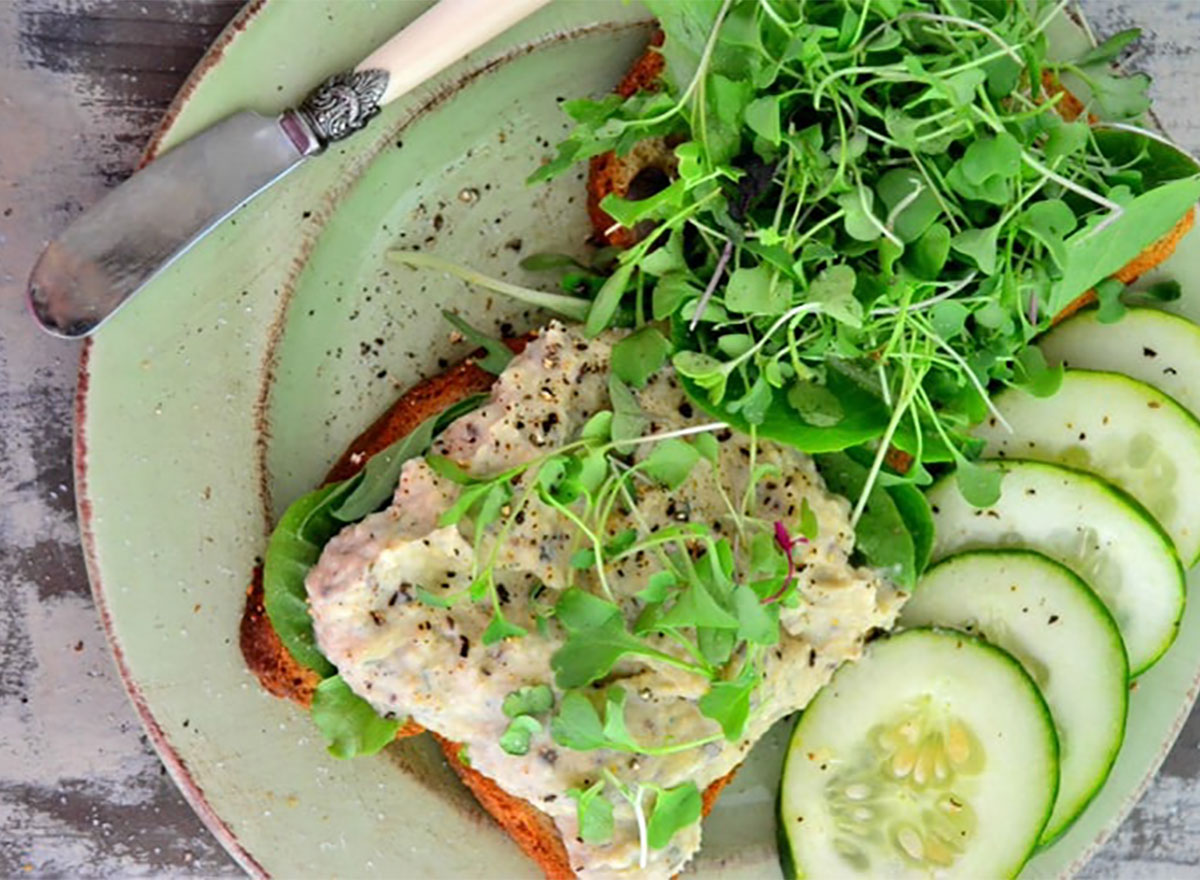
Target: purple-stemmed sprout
[{"x": 787, "y": 544}]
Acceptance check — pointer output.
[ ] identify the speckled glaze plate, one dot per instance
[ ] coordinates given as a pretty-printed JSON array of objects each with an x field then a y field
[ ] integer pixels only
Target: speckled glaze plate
[{"x": 225, "y": 391}]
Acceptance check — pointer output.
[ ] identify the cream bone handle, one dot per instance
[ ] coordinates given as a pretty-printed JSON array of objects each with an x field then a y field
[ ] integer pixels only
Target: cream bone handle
[{"x": 439, "y": 37}]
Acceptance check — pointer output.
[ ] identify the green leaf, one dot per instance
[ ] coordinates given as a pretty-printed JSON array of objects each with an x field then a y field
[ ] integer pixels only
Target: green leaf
[
  {"x": 468, "y": 498},
  {"x": 816, "y": 404},
  {"x": 577, "y": 725},
  {"x": 432, "y": 599},
  {"x": 1108, "y": 296},
  {"x": 671, "y": 462},
  {"x": 639, "y": 356},
  {"x": 597, "y": 429},
  {"x": 757, "y": 291},
  {"x": 628, "y": 421},
  {"x": 520, "y": 732},
  {"x": 948, "y": 318},
  {"x": 1093, "y": 256},
  {"x": 671, "y": 291},
  {"x": 927, "y": 257},
  {"x": 754, "y": 404},
  {"x": 757, "y": 623},
  {"x": 1050, "y": 221},
  {"x": 674, "y": 809},
  {"x": 1035, "y": 375},
  {"x": 687, "y": 27},
  {"x": 615, "y": 730},
  {"x": 860, "y": 221},
  {"x": 594, "y": 814},
  {"x": 918, "y": 519},
  {"x": 1167, "y": 290},
  {"x": 921, "y": 208},
  {"x": 629, "y": 212},
  {"x": 579, "y": 610},
  {"x": 881, "y": 534},
  {"x": 347, "y": 721},
  {"x": 1108, "y": 51},
  {"x": 762, "y": 117},
  {"x": 658, "y": 587},
  {"x": 498, "y": 354},
  {"x": 728, "y": 702},
  {"x": 667, "y": 258},
  {"x": 704, "y": 371},
  {"x": 708, "y": 447},
  {"x": 589, "y": 655},
  {"x": 382, "y": 471},
  {"x": 809, "y": 526},
  {"x": 1066, "y": 139},
  {"x": 1116, "y": 97},
  {"x": 980, "y": 246},
  {"x": 727, "y": 99},
  {"x": 294, "y": 547},
  {"x": 696, "y": 607},
  {"x": 604, "y": 306},
  {"x": 500, "y": 629},
  {"x": 834, "y": 290},
  {"x": 530, "y": 700},
  {"x": 979, "y": 485}
]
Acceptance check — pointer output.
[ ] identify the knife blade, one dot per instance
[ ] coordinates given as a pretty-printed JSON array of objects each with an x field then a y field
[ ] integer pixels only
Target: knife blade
[{"x": 119, "y": 245}]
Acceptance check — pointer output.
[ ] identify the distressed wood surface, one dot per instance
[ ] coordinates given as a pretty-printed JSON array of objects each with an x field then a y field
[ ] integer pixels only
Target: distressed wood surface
[{"x": 82, "y": 84}]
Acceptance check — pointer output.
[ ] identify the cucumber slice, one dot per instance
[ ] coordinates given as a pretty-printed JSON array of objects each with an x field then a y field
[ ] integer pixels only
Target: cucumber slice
[
  {"x": 1154, "y": 347},
  {"x": 1089, "y": 526},
  {"x": 934, "y": 754},
  {"x": 1127, "y": 432},
  {"x": 1045, "y": 616}
]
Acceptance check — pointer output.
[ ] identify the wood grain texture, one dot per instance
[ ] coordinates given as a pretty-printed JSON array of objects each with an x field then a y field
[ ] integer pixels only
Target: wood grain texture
[{"x": 82, "y": 84}]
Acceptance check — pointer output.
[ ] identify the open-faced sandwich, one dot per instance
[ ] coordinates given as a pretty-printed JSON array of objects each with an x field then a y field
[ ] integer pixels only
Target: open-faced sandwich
[{"x": 599, "y": 561}]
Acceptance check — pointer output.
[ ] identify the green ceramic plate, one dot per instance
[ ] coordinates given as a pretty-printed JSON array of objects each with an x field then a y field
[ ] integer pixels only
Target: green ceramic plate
[{"x": 225, "y": 391}]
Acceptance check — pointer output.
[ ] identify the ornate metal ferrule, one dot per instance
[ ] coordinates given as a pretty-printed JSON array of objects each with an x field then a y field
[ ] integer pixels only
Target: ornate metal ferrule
[{"x": 343, "y": 104}]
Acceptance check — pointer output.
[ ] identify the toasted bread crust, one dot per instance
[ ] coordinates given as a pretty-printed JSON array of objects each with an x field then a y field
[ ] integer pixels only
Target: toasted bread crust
[{"x": 533, "y": 830}]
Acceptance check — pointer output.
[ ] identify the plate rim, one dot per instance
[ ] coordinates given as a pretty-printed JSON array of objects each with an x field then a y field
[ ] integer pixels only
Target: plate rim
[
  {"x": 174, "y": 763},
  {"x": 176, "y": 767}
]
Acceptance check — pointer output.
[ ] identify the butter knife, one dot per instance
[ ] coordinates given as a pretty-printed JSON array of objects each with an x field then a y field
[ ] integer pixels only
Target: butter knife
[{"x": 115, "y": 248}]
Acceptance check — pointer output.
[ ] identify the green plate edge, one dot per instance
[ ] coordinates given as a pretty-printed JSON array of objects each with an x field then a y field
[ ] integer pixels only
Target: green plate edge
[{"x": 190, "y": 438}]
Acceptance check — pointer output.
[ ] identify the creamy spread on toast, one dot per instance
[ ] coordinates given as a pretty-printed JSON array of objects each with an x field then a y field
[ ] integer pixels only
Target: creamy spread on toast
[{"x": 410, "y": 658}]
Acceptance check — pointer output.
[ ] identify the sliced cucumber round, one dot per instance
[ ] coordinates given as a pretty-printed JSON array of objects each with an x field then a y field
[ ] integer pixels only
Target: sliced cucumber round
[
  {"x": 1042, "y": 614},
  {"x": 934, "y": 754},
  {"x": 1089, "y": 526},
  {"x": 1123, "y": 430},
  {"x": 1149, "y": 345}
]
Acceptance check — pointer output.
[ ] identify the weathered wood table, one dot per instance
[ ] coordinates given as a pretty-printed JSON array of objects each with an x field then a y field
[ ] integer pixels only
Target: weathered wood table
[{"x": 82, "y": 85}]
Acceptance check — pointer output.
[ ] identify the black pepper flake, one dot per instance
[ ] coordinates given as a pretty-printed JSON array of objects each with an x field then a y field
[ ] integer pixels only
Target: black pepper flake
[
  {"x": 812, "y": 656},
  {"x": 1053, "y": 619},
  {"x": 502, "y": 594},
  {"x": 464, "y": 646},
  {"x": 377, "y": 618}
]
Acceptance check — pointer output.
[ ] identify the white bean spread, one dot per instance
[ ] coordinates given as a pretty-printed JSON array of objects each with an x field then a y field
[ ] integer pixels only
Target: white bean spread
[{"x": 409, "y": 658}]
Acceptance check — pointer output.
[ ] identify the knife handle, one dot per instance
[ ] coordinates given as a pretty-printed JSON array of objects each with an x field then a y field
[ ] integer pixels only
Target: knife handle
[
  {"x": 442, "y": 35},
  {"x": 439, "y": 37}
]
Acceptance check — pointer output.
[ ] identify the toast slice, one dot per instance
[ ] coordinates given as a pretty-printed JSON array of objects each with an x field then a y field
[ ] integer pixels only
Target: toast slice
[
  {"x": 278, "y": 671},
  {"x": 281, "y": 675}
]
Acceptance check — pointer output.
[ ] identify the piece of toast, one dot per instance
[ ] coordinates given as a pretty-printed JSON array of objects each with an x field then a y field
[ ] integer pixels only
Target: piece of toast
[
  {"x": 281, "y": 675},
  {"x": 279, "y": 672}
]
